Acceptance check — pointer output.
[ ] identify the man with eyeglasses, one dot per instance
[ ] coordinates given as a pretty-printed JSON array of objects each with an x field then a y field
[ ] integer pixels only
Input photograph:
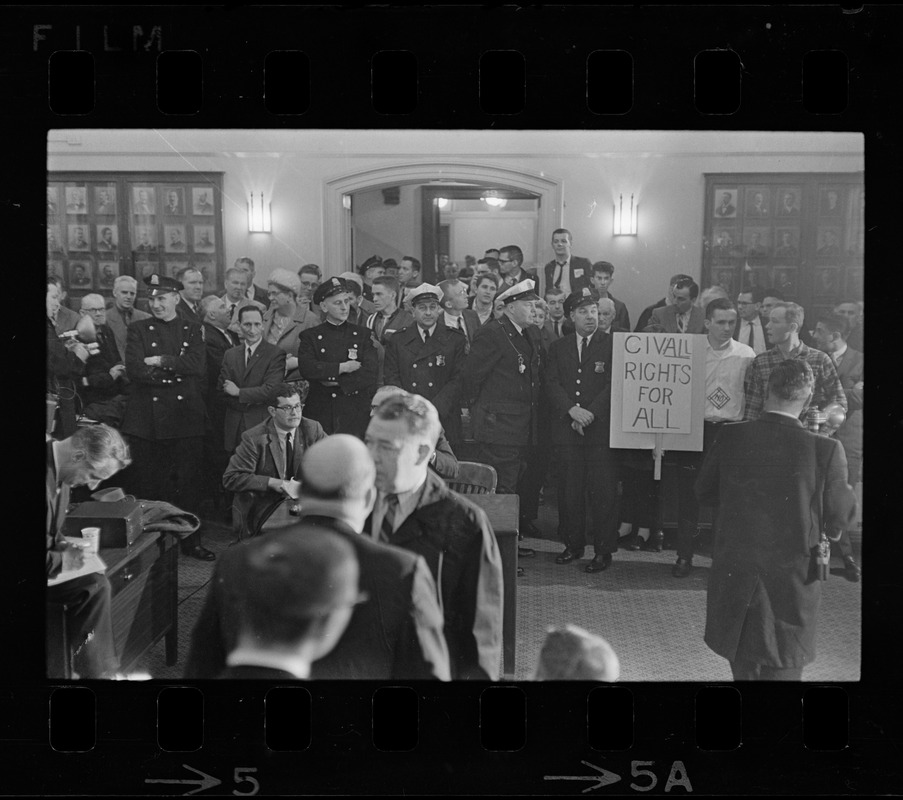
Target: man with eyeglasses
[
  {"x": 511, "y": 259},
  {"x": 268, "y": 458},
  {"x": 749, "y": 330},
  {"x": 105, "y": 376}
]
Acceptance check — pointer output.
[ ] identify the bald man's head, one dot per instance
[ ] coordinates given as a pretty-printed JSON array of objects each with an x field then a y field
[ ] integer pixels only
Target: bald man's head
[{"x": 338, "y": 467}]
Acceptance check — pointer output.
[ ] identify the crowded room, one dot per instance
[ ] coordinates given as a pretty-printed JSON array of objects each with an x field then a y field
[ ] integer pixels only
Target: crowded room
[{"x": 454, "y": 405}]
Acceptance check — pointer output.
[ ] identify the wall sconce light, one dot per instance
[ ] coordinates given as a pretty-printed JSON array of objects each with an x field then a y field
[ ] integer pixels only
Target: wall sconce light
[
  {"x": 625, "y": 218},
  {"x": 442, "y": 202},
  {"x": 259, "y": 216},
  {"x": 346, "y": 202},
  {"x": 493, "y": 199}
]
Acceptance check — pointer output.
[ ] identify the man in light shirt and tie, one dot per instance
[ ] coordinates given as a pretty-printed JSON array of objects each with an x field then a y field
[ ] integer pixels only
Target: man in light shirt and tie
[
  {"x": 749, "y": 325},
  {"x": 566, "y": 272}
]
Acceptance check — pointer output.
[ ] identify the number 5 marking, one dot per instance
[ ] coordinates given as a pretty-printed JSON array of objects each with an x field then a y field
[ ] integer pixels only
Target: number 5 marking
[{"x": 239, "y": 777}]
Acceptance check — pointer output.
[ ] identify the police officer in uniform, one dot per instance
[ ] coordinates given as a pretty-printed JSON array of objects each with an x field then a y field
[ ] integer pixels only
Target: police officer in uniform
[
  {"x": 341, "y": 363},
  {"x": 502, "y": 379},
  {"x": 166, "y": 362},
  {"x": 577, "y": 382},
  {"x": 426, "y": 358}
]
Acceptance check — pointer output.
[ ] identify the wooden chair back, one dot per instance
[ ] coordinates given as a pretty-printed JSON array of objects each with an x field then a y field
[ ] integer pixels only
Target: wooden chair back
[{"x": 474, "y": 478}]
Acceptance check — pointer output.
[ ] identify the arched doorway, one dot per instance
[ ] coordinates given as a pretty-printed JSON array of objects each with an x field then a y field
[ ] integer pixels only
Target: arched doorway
[{"x": 338, "y": 217}]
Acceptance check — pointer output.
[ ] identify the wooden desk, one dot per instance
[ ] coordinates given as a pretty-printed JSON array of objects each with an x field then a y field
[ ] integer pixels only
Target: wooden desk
[
  {"x": 145, "y": 596},
  {"x": 503, "y": 511}
]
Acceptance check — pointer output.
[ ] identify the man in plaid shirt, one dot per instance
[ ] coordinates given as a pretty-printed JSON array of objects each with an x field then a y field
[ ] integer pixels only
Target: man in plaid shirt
[{"x": 785, "y": 320}]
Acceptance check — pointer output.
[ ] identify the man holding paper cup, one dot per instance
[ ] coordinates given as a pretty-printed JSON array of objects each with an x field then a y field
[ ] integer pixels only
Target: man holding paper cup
[
  {"x": 268, "y": 458},
  {"x": 91, "y": 455}
]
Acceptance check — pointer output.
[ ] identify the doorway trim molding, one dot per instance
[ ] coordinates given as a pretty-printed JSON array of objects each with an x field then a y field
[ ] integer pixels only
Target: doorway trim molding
[{"x": 337, "y": 219}]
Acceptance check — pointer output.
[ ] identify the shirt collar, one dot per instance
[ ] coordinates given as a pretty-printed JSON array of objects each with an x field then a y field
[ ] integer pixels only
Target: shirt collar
[
  {"x": 516, "y": 326},
  {"x": 838, "y": 353},
  {"x": 431, "y": 330},
  {"x": 249, "y": 657},
  {"x": 253, "y": 347}
]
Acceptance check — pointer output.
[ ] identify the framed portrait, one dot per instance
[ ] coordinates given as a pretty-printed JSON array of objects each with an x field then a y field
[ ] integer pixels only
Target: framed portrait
[
  {"x": 787, "y": 243},
  {"x": 204, "y": 239},
  {"x": 788, "y": 202},
  {"x": 825, "y": 281},
  {"x": 757, "y": 202},
  {"x": 724, "y": 241},
  {"x": 830, "y": 201},
  {"x": 79, "y": 238},
  {"x": 725, "y": 279},
  {"x": 145, "y": 239},
  {"x": 75, "y": 200},
  {"x": 785, "y": 279},
  {"x": 80, "y": 274},
  {"x": 53, "y": 201},
  {"x": 202, "y": 201},
  {"x": 54, "y": 243},
  {"x": 172, "y": 266},
  {"x": 55, "y": 268},
  {"x": 107, "y": 272},
  {"x": 829, "y": 241},
  {"x": 107, "y": 237},
  {"x": 756, "y": 240},
  {"x": 104, "y": 199},
  {"x": 174, "y": 239},
  {"x": 854, "y": 286},
  {"x": 144, "y": 200},
  {"x": 753, "y": 278},
  {"x": 725, "y": 203},
  {"x": 173, "y": 201},
  {"x": 208, "y": 269},
  {"x": 144, "y": 268}
]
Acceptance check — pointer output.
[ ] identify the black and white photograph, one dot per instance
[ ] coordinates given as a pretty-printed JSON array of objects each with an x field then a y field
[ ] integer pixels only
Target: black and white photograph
[
  {"x": 530, "y": 538},
  {"x": 202, "y": 202},
  {"x": 203, "y": 239},
  {"x": 79, "y": 238},
  {"x": 174, "y": 238},
  {"x": 53, "y": 201},
  {"x": 829, "y": 201},
  {"x": 54, "y": 244},
  {"x": 107, "y": 237},
  {"x": 104, "y": 200},
  {"x": 144, "y": 201},
  {"x": 75, "y": 200},
  {"x": 829, "y": 242}
]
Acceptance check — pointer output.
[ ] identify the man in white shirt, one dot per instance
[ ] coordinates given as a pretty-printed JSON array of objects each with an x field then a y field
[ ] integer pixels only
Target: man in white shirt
[
  {"x": 749, "y": 328},
  {"x": 726, "y": 362},
  {"x": 456, "y": 314},
  {"x": 566, "y": 272}
]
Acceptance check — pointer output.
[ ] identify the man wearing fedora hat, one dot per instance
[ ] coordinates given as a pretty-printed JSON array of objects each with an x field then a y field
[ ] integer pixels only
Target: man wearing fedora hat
[
  {"x": 501, "y": 377},
  {"x": 340, "y": 361},
  {"x": 166, "y": 362}
]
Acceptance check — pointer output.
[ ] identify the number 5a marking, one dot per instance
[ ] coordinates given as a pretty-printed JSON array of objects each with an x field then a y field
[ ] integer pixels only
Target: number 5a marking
[{"x": 239, "y": 776}]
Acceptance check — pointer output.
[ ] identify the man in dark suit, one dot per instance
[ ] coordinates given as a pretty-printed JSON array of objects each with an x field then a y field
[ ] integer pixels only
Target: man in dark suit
[
  {"x": 91, "y": 455},
  {"x": 831, "y": 334},
  {"x": 566, "y": 272},
  {"x": 397, "y": 635},
  {"x": 248, "y": 377},
  {"x": 427, "y": 358},
  {"x": 726, "y": 208},
  {"x": 646, "y": 315},
  {"x": 601, "y": 276},
  {"x": 291, "y": 594},
  {"x": 502, "y": 380},
  {"x": 511, "y": 260},
  {"x": 122, "y": 312},
  {"x": 776, "y": 486},
  {"x": 104, "y": 377},
  {"x": 254, "y": 292},
  {"x": 341, "y": 363},
  {"x": 189, "y": 307},
  {"x": 388, "y": 318},
  {"x": 556, "y": 319},
  {"x": 268, "y": 457},
  {"x": 415, "y": 510},
  {"x": 850, "y": 309},
  {"x": 577, "y": 382},
  {"x": 682, "y": 316},
  {"x": 456, "y": 314},
  {"x": 165, "y": 417}
]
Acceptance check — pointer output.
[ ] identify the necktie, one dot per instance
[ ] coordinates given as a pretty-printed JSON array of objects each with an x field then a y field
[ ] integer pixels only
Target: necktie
[
  {"x": 388, "y": 526},
  {"x": 127, "y": 317},
  {"x": 559, "y": 271},
  {"x": 681, "y": 323},
  {"x": 752, "y": 335},
  {"x": 378, "y": 325},
  {"x": 461, "y": 324},
  {"x": 583, "y": 342},
  {"x": 557, "y": 329},
  {"x": 426, "y": 335},
  {"x": 248, "y": 357},
  {"x": 232, "y": 310},
  {"x": 289, "y": 457}
]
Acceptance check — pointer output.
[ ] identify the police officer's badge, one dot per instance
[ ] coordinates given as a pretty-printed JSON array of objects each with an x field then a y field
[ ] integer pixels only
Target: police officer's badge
[
  {"x": 521, "y": 366},
  {"x": 352, "y": 353},
  {"x": 600, "y": 366},
  {"x": 440, "y": 361}
]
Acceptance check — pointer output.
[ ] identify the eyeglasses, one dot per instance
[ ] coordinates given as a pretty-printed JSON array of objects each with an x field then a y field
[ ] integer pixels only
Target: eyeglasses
[
  {"x": 504, "y": 260},
  {"x": 295, "y": 409},
  {"x": 744, "y": 303}
]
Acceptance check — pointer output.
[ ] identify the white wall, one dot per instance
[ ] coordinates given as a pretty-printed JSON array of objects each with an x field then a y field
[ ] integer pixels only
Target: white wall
[{"x": 665, "y": 169}]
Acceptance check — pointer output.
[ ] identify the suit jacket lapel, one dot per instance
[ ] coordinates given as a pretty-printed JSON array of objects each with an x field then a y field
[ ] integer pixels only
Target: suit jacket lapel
[
  {"x": 252, "y": 361},
  {"x": 276, "y": 452}
]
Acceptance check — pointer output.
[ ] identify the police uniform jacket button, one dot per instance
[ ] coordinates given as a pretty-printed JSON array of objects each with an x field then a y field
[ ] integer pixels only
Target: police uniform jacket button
[
  {"x": 322, "y": 350},
  {"x": 153, "y": 344},
  {"x": 577, "y": 394},
  {"x": 579, "y": 370},
  {"x": 333, "y": 396},
  {"x": 155, "y": 399},
  {"x": 320, "y": 336},
  {"x": 414, "y": 385},
  {"x": 178, "y": 397},
  {"x": 429, "y": 384},
  {"x": 578, "y": 380}
]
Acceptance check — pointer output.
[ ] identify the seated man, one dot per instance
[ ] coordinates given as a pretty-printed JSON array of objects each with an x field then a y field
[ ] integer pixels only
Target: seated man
[
  {"x": 91, "y": 455},
  {"x": 104, "y": 384},
  {"x": 291, "y": 595},
  {"x": 269, "y": 455}
]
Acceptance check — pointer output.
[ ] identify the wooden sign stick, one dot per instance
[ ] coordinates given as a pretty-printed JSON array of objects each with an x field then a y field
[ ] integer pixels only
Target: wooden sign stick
[{"x": 657, "y": 455}]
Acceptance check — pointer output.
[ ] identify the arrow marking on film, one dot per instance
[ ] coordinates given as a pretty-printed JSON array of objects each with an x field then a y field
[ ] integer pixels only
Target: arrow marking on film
[
  {"x": 604, "y": 778},
  {"x": 206, "y": 781}
]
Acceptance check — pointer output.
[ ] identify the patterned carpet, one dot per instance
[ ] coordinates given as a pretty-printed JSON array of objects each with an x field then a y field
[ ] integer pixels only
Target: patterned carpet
[{"x": 654, "y": 622}]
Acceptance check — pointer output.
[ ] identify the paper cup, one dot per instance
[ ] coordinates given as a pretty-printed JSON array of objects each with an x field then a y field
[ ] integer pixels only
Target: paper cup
[{"x": 91, "y": 537}]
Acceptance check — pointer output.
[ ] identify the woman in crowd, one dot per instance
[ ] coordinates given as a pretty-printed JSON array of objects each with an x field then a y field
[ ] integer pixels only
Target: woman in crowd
[{"x": 285, "y": 319}]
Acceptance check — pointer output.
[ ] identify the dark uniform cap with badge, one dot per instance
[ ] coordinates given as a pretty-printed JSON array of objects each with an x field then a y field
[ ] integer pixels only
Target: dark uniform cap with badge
[
  {"x": 161, "y": 284},
  {"x": 329, "y": 288},
  {"x": 584, "y": 297},
  {"x": 524, "y": 290}
]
